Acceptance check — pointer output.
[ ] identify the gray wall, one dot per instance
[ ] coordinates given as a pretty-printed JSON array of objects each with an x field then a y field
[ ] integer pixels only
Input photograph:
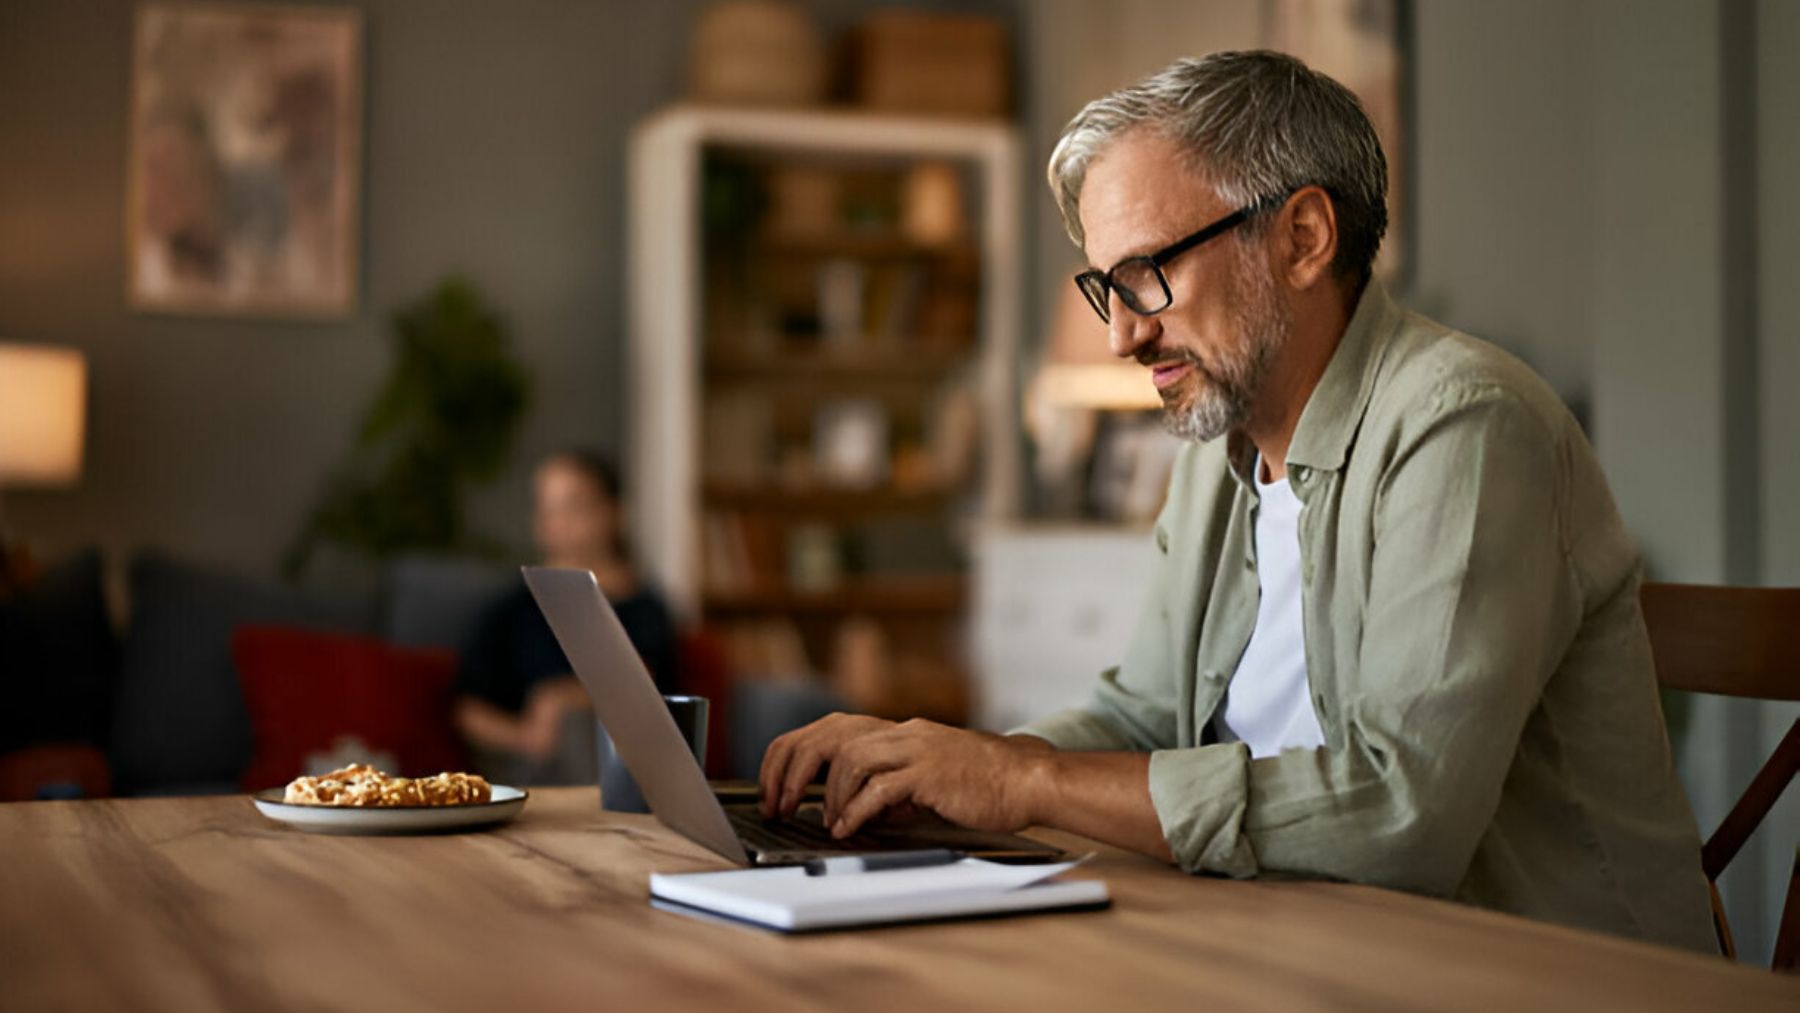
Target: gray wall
[
  {"x": 1504, "y": 238},
  {"x": 493, "y": 141},
  {"x": 1778, "y": 173},
  {"x": 1659, "y": 293},
  {"x": 494, "y": 146}
]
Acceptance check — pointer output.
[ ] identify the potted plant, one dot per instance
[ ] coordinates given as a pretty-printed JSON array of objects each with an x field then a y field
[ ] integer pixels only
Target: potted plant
[{"x": 444, "y": 420}]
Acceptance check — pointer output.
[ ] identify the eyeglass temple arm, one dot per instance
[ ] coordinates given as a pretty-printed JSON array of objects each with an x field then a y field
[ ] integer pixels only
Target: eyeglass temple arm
[{"x": 1230, "y": 221}]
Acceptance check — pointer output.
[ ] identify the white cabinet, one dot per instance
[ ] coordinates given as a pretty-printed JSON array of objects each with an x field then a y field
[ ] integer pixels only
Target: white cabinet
[{"x": 1053, "y": 607}]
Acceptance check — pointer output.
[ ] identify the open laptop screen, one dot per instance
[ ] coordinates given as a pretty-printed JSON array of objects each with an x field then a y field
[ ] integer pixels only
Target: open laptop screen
[{"x": 627, "y": 702}]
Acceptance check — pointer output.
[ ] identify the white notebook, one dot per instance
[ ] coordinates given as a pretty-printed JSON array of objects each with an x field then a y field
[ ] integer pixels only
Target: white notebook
[{"x": 788, "y": 900}]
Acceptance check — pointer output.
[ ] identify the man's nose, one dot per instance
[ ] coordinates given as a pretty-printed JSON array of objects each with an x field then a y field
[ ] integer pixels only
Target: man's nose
[{"x": 1128, "y": 330}]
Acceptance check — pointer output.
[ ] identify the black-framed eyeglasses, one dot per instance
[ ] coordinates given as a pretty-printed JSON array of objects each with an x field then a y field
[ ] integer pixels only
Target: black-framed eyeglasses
[{"x": 1140, "y": 281}]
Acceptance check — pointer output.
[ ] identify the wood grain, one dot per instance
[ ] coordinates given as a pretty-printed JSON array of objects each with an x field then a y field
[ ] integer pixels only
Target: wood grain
[
  {"x": 1739, "y": 642},
  {"x": 1733, "y": 641},
  {"x": 198, "y": 904}
]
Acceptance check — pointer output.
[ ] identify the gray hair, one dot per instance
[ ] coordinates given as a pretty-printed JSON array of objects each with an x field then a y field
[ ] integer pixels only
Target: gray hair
[{"x": 1259, "y": 125}]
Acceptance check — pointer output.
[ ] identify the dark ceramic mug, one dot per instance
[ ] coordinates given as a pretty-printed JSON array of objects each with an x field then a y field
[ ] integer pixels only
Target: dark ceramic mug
[{"x": 618, "y": 789}]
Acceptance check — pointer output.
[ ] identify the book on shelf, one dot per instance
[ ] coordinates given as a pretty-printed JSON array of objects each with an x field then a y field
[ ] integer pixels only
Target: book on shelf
[
  {"x": 726, "y": 560},
  {"x": 895, "y": 292},
  {"x": 815, "y": 558},
  {"x": 754, "y": 552},
  {"x": 766, "y": 649},
  {"x": 841, "y": 288},
  {"x": 738, "y": 426},
  {"x": 744, "y": 551},
  {"x": 889, "y": 547}
]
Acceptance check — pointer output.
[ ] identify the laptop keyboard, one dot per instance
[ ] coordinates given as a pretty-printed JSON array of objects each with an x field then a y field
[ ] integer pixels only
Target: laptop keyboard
[{"x": 805, "y": 831}]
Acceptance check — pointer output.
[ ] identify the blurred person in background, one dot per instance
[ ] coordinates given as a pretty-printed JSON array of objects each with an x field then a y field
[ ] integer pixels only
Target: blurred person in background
[{"x": 518, "y": 703}]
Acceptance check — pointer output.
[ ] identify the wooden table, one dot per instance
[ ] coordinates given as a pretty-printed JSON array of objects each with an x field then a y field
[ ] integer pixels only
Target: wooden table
[{"x": 197, "y": 904}]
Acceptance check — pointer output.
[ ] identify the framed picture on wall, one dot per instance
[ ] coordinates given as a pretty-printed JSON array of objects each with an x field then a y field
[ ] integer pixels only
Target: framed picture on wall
[{"x": 245, "y": 158}]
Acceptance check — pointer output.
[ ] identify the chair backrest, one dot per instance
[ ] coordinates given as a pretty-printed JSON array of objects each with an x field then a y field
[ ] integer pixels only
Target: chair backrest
[{"x": 1741, "y": 642}]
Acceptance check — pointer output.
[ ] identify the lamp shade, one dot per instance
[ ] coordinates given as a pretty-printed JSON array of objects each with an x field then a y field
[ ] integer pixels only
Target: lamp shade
[
  {"x": 1079, "y": 369},
  {"x": 43, "y": 413}
]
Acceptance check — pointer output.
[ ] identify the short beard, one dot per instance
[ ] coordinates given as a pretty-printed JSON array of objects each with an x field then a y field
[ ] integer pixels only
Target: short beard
[{"x": 1226, "y": 390}]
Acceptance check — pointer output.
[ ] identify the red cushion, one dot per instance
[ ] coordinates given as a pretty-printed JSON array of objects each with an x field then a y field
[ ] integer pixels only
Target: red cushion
[{"x": 306, "y": 690}]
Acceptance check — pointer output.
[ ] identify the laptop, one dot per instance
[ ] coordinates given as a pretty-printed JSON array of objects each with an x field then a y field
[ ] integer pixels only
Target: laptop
[{"x": 726, "y": 822}]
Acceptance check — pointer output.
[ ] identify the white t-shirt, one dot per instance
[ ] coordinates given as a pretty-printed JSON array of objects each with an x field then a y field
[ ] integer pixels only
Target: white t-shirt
[{"x": 1268, "y": 706}]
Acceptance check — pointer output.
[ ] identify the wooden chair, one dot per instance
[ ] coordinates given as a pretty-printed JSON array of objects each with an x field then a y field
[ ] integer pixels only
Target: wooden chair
[{"x": 1742, "y": 642}]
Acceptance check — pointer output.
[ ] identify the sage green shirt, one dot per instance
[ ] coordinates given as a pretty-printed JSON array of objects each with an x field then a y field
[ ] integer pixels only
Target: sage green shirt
[{"x": 1474, "y": 648}]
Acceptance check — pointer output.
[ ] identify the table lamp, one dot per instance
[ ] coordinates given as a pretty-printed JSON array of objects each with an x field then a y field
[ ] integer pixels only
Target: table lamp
[
  {"x": 1079, "y": 368},
  {"x": 43, "y": 413},
  {"x": 1078, "y": 379}
]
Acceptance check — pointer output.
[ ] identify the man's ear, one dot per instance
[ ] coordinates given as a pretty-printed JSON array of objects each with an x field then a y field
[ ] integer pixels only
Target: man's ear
[{"x": 1308, "y": 226}]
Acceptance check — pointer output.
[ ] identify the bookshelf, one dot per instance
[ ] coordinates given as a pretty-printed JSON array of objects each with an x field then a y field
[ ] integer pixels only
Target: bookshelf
[
  {"x": 823, "y": 313},
  {"x": 916, "y": 596}
]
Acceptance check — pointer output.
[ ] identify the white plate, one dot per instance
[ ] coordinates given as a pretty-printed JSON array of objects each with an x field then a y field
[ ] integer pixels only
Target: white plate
[{"x": 401, "y": 819}]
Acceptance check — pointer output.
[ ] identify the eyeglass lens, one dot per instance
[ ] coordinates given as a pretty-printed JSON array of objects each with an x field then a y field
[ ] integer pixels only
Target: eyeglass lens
[
  {"x": 1141, "y": 285},
  {"x": 1138, "y": 281}
]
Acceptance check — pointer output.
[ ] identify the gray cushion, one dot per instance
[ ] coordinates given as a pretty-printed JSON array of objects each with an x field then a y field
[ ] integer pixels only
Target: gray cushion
[
  {"x": 180, "y": 717},
  {"x": 436, "y": 601},
  {"x": 762, "y": 711}
]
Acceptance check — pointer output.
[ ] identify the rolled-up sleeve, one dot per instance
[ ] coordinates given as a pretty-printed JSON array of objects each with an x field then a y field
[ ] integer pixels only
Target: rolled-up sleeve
[
  {"x": 1471, "y": 603},
  {"x": 1201, "y": 795}
]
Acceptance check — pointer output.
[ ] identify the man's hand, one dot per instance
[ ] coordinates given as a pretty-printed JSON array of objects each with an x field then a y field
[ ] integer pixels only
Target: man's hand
[
  {"x": 791, "y": 761},
  {"x": 974, "y": 779}
]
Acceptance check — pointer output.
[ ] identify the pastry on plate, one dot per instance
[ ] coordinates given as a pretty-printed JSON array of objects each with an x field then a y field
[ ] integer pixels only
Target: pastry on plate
[{"x": 361, "y": 785}]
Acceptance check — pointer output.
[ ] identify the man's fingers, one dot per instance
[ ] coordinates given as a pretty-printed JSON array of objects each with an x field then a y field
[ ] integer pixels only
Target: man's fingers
[
  {"x": 879, "y": 792},
  {"x": 792, "y": 761},
  {"x": 845, "y": 770},
  {"x": 802, "y": 766},
  {"x": 774, "y": 769},
  {"x": 778, "y": 764},
  {"x": 854, "y": 763}
]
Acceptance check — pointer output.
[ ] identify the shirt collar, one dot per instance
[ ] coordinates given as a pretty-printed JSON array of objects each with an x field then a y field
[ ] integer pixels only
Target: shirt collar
[{"x": 1335, "y": 410}]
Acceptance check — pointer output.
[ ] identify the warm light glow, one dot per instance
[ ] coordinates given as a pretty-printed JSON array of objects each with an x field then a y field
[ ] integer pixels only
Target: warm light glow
[
  {"x": 43, "y": 413},
  {"x": 1109, "y": 386},
  {"x": 1079, "y": 369}
]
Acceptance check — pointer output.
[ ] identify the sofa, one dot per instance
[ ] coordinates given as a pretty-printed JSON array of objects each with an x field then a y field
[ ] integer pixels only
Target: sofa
[{"x": 160, "y": 707}]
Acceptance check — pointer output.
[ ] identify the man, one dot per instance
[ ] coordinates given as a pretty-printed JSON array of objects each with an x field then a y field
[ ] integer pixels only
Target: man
[{"x": 1394, "y": 634}]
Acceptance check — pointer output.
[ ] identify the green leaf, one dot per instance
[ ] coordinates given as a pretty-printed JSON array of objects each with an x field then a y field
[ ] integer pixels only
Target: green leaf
[{"x": 444, "y": 420}]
